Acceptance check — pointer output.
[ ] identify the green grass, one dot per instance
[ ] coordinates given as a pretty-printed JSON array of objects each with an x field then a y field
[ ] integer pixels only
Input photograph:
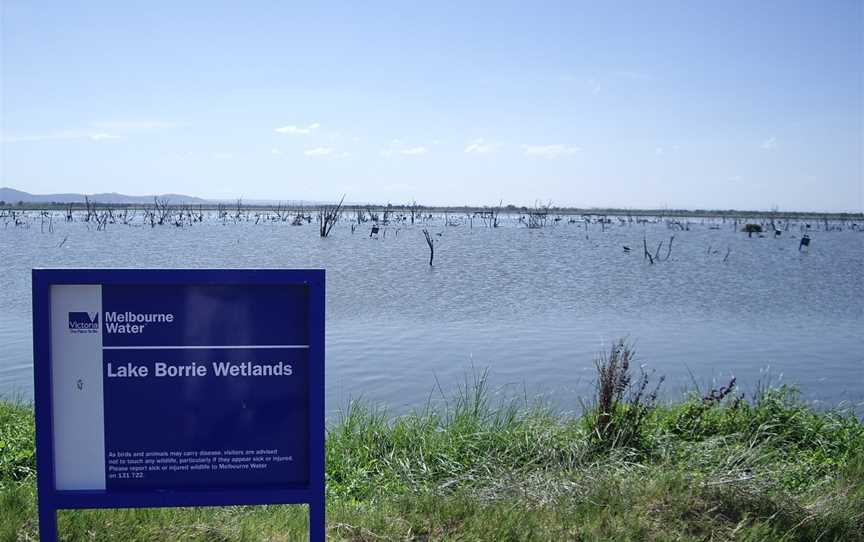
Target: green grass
[{"x": 770, "y": 468}]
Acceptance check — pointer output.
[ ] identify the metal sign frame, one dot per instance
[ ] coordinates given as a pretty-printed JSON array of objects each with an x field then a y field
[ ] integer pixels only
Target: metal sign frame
[{"x": 51, "y": 500}]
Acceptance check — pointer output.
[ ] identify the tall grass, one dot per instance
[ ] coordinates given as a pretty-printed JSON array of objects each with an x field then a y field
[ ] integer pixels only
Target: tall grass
[
  {"x": 623, "y": 404},
  {"x": 465, "y": 442},
  {"x": 17, "y": 437},
  {"x": 714, "y": 467}
]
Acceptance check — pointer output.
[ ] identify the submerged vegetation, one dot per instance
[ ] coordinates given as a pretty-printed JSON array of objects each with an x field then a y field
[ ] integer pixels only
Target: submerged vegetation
[
  {"x": 432, "y": 222},
  {"x": 164, "y": 213},
  {"x": 721, "y": 465}
]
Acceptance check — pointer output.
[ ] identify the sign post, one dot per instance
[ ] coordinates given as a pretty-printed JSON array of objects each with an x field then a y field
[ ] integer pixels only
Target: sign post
[{"x": 159, "y": 388}]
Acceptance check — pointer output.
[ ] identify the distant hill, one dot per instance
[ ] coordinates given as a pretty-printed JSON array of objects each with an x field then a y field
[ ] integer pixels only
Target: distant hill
[{"x": 10, "y": 195}]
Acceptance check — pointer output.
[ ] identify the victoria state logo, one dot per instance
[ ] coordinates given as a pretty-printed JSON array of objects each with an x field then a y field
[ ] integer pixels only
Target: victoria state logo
[{"x": 83, "y": 322}]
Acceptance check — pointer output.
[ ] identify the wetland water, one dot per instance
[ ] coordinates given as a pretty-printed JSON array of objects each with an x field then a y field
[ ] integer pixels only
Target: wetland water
[{"x": 533, "y": 306}]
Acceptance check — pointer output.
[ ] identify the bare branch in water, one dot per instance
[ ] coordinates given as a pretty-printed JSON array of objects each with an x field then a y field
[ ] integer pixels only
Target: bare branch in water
[{"x": 431, "y": 243}]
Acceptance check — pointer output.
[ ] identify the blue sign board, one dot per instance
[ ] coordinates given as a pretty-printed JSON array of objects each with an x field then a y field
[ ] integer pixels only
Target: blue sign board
[{"x": 178, "y": 388}]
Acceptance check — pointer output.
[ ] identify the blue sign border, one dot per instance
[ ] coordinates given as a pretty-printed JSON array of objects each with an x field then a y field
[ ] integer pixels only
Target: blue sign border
[{"x": 51, "y": 500}]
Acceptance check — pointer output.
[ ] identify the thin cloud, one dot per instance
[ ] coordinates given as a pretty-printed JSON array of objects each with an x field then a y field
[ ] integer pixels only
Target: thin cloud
[
  {"x": 633, "y": 75},
  {"x": 103, "y": 136},
  {"x": 134, "y": 125},
  {"x": 102, "y": 130},
  {"x": 318, "y": 151},
  {"x": 297, "y": 130},
  {"x": 591, "y": 83},
  {"x": 398, "y": 147},
  {"x": 61, "y": 135},
  {"x": 479, "y": 146},
  {"x": 596, "y": 83},
  {"x": 550, "y": 151}
]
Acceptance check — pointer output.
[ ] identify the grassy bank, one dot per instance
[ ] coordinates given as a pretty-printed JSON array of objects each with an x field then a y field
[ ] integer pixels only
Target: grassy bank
[{"x": 718, "y": 467}]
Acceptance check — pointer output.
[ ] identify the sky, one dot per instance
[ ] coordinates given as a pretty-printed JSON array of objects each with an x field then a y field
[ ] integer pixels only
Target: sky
[{"x": 692, "y": 104}]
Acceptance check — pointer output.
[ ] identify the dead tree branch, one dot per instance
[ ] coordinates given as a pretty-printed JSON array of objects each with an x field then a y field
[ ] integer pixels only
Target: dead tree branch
[
  {"x": 328, "y": 216},
  {"x": 431, "y": 243}
]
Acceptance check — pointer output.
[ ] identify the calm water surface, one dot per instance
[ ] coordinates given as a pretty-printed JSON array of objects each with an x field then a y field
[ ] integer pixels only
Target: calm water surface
[{"x": 533, "y": 306}]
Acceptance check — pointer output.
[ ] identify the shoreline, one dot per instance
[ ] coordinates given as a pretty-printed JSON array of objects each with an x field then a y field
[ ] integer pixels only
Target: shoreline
[
  {"x": 722, "y": 466},
  {"x": 506, "y": 210}
]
